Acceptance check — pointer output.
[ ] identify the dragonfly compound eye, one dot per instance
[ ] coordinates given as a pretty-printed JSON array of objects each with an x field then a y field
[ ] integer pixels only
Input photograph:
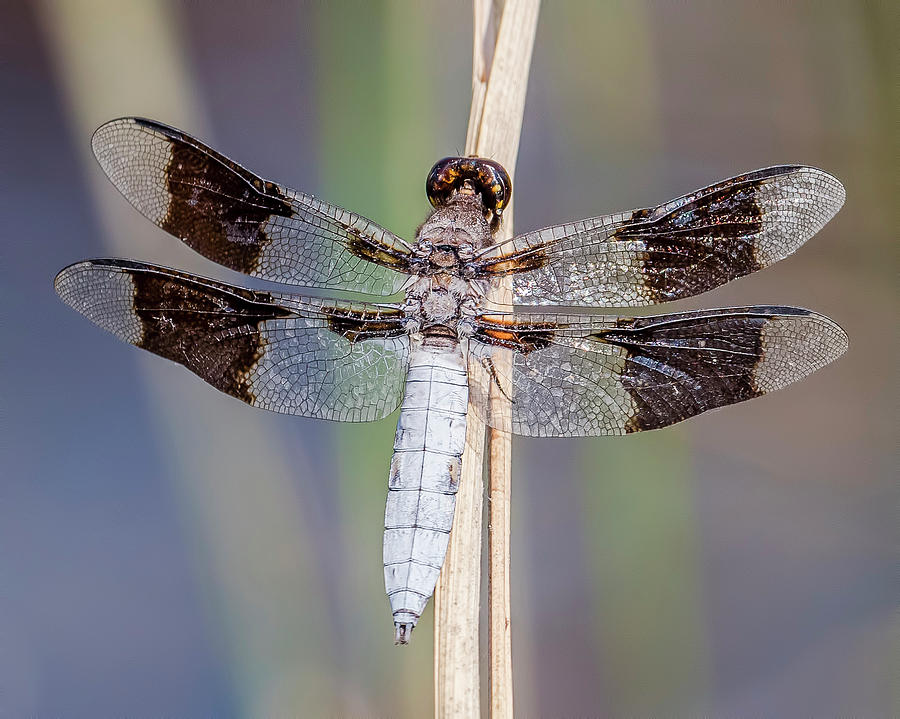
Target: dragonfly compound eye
[{"x": 489, "y": 179}]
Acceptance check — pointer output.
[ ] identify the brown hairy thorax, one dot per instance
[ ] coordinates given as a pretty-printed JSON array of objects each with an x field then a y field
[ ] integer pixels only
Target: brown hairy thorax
[
  {"x": 452, "y": 234},
  {"x": 448, "y": 238}
]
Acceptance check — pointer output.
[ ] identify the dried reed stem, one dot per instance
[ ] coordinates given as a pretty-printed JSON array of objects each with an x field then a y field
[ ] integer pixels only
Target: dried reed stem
[{"x": 503, "y": 41}]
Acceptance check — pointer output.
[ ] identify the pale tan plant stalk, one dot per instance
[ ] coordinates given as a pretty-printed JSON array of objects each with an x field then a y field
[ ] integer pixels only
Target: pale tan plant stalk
[{"x": 503, "y": 41}]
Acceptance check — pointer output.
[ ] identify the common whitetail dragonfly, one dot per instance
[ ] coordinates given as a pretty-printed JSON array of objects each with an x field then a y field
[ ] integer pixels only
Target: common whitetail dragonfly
[{"x": 445, "y": 347}]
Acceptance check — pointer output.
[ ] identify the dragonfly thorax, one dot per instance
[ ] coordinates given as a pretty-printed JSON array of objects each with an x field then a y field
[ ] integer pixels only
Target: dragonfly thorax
[
  {"x": 440, "y": 307},
  {"x": 441, "y": 300},
  {"x": 451, "y": 236}
]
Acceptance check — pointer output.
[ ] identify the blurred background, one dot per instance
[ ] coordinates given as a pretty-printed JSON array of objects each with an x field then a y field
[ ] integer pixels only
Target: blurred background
[{"x": 168, "y": 551}]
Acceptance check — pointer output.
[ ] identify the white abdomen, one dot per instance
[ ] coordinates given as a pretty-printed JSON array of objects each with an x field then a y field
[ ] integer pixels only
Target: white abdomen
[{"x": 424, "y": 478}]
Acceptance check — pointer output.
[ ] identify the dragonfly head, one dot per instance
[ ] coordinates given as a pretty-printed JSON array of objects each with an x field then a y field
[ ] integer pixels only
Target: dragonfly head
[{"x": 471, "y": 176}]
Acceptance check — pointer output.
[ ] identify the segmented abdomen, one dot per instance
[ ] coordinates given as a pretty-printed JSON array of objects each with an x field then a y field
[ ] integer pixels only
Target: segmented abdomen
[{"x": 423, "y": 481}]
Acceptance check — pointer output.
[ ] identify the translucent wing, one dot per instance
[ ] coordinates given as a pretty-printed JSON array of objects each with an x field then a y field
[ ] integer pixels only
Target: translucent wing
[
  {"x": 682, "y": 248},
  {"x": 241, "y": 221},
  {"x": 579, "y": 375},
  {"x": 282, "y": 352}
]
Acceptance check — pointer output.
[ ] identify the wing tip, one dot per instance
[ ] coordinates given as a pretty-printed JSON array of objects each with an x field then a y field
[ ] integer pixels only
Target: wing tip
[
  {"x": 797, "y": 343},
  {"x": 805, "y": 199},
  {"x": 834, "y": 196},
  {"x": 99, "y": 136},
  {"x": 832, "y": 200},
  {"x": 840, "y": 338},
  {"x": 63, "y": 278},
  {"x": 65, "y": 284},
  {"x": 131, "y": 120},
  {"x": 105, "y": 150},
  {"x": 807, "y": 317}
]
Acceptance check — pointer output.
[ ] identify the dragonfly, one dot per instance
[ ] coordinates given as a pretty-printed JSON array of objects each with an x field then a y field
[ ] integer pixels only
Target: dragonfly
[{"x": 545, "y": 366}]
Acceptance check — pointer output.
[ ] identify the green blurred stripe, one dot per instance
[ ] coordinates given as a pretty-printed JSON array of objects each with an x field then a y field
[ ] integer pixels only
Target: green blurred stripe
[
  {"x": 640, "y": 527},
  {"x": 376, "y": 127}
]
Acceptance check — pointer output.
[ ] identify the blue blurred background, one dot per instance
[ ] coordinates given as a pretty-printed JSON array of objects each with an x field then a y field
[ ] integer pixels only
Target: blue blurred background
[{"x": 167, "y": 551}]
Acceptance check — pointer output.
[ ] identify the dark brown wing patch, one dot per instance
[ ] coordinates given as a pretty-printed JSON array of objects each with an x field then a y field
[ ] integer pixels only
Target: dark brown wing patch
[
  {"x": 216, "y": 207},
  {"x": 212, "y": 331},
  {"x": 358, "y": 325},
  {"x": 533, "y": 258},
  {"x": 680, "y": 367},
  {"x": 379, "y": 253},
  {"x": 704, "y": 241}
]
